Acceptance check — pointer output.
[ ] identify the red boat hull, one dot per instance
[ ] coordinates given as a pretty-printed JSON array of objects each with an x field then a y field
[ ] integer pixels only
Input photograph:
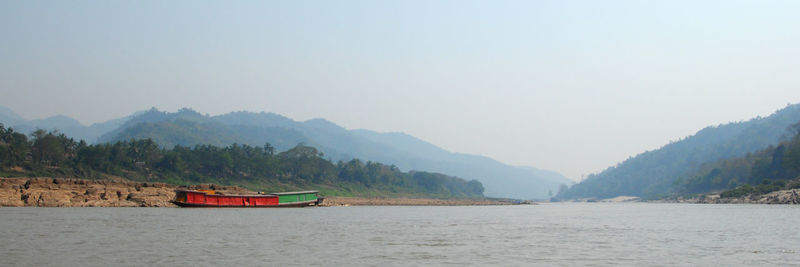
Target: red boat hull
[
  {"x": 190, "y": 198},
  {"x": 194, "y": 205}
]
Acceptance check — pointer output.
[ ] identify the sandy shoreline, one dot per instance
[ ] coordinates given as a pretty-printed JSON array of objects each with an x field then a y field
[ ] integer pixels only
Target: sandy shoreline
[
  {"x": 70, "y": 192},
  {"x": 358, "y": 201}
]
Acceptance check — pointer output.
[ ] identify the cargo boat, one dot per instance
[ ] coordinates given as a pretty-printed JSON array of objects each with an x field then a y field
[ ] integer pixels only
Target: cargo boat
[{"x": 209, "y": 198}]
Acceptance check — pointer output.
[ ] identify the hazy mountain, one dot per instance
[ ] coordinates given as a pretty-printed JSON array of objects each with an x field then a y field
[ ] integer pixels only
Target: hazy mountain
[
  {"x": 412, "y": 153},
  {"x": 63, "y": 124},
  {"x": 187, "y": 127},
  {"x": 654, "y": 172},
  {"x": 9, "y": 118}
]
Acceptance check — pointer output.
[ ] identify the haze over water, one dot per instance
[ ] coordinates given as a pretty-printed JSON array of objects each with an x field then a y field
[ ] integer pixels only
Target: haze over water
[
  {"x": 518, "y": 81},
  {"x": 569, "y": 86},
  {"x": 565, "y": 234}
]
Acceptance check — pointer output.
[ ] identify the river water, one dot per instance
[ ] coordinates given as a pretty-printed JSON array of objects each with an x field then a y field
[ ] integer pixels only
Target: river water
[{"x": 561, "y": 234}]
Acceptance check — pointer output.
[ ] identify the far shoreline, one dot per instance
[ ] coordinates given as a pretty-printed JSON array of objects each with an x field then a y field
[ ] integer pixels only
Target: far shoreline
[
  {"x": 780, "y": 197},
  {"x": 402, "y": 201},
  {"x": 76, "y": 192}
]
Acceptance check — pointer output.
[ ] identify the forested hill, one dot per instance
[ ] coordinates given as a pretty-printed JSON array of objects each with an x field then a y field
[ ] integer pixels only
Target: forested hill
[
  {"x": 259, "y": 168},
  {"x": 188, "y": 128},
  {"x": 654, "y": 172},
  {"x": 771, "y": 169}
]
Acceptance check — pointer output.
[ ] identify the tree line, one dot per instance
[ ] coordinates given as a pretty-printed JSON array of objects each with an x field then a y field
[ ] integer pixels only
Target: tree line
[
  {"x": 655, "y": 173},
  {"x": 49, "y": 153},
  {"x": 773, "y": 168}
]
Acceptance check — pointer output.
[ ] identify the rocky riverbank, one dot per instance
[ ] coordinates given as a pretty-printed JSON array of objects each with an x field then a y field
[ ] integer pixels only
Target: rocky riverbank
[
  {"x": 68, "y": 192},
  {"x": 778, "y": 197}
]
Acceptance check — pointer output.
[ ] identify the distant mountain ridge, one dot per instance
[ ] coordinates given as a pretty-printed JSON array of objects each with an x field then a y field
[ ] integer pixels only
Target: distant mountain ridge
[
  {"x": 654, "y": 173},
  {"x": 63, "y": 124},
  {"x": 187, "y": 127},
  {"x": 9, "y": 117}
]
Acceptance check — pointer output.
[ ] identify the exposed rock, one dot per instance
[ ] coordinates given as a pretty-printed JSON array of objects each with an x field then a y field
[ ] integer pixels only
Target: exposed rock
[
  {"x": 69, "y": 192},
  {"x": 620, "y": 199},
  {"x": 791, "y": 196}
]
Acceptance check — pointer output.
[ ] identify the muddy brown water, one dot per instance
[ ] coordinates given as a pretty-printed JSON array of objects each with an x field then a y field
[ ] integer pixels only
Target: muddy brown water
[{"x": 565, "y": 234}]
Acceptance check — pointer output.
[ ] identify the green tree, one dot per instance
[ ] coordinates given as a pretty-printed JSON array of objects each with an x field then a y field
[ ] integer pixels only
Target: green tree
[{"x": 47, "y": 148}]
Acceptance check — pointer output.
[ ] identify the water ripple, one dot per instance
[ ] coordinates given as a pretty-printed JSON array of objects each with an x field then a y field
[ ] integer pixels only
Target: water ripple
[{"x": 551, "y": 234}]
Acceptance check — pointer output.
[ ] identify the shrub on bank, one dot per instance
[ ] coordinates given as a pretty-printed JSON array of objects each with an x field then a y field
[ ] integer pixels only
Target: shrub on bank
[{"x": 738, "y": 192}]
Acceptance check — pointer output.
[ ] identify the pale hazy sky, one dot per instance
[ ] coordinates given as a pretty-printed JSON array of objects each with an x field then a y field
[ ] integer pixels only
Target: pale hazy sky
[{"x": 571, "y": 86}]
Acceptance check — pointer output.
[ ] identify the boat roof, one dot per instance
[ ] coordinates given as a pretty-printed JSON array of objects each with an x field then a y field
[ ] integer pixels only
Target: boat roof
[
  {"x": 295, "y": 193},
  {"x": 270, "y": 194},
  {"x": 225, "y": 195}
]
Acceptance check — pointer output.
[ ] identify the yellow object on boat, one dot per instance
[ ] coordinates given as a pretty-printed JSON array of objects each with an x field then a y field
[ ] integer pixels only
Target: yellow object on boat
[{"x": 209, "y": 192}]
